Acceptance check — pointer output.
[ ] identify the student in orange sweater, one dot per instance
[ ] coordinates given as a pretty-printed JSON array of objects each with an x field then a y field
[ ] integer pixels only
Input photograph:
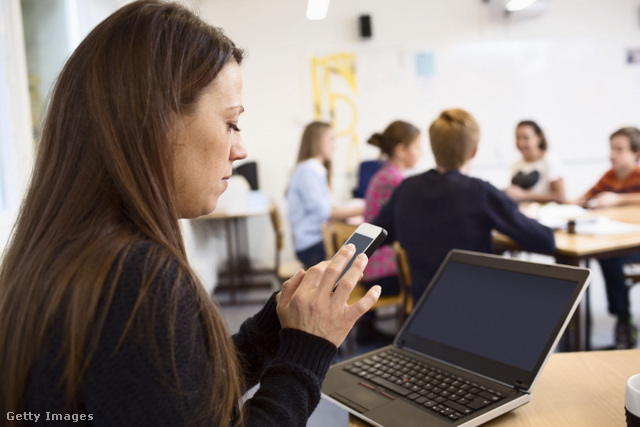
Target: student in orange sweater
[{"x": 618, "y": 186}]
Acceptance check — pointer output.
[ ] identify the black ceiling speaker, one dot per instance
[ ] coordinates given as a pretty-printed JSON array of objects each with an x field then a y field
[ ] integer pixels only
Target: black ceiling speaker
[{"x": 365, "y": 26}]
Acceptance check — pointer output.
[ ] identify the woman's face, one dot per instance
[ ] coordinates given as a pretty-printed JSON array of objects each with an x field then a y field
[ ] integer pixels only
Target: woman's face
[
  {"x": 206, "y": 144},
  {"x": 528, "y": 143},
  {"x": 327, "y": 144},
  {"x": 623, "y": 159},
  {"x": 410, "y": 154}
]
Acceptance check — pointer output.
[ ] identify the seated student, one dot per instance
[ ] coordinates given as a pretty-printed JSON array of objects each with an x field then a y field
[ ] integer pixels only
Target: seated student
[
  {"x": 309, "y": 194},
  {"x": 537, "y": 177},
  {"x": 443, "y": 208},
  {"x": 618, "y": 186},
  {"x": 400, "y": 144}
]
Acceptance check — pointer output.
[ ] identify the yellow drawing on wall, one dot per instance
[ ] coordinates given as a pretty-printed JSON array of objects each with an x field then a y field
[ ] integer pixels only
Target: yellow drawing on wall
[{"x": 335, "y": 89}]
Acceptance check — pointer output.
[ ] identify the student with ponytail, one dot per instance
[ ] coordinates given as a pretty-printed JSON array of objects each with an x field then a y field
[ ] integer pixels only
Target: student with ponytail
[{"x": 401, "y": 146}]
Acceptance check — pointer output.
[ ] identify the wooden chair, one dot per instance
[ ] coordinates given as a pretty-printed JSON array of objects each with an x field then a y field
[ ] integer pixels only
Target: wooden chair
[
  {"x": 335, "y": 233},
  {"x": 404, "y": 277},
  {"x": 283, "y": 271}
]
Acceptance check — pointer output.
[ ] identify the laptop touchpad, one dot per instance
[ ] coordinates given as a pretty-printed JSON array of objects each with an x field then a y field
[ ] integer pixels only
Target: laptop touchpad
[{"x": 360, "y": 398}]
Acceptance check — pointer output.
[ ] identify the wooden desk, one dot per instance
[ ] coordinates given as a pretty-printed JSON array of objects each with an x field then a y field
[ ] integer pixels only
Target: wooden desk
[
  {"x": 237, "y": 244},
  {"x": 572, "y": 249},
  {"x": 576, "y": 389}
]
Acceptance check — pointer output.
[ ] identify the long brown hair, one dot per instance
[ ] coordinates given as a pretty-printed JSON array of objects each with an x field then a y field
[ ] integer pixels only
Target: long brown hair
[
  {"x": 102, "y": 182},
  {"x": 310, "y": 144}
]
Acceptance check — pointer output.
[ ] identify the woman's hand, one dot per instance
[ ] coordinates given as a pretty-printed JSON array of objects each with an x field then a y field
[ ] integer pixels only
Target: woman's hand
[{"x": 308, "y": 303}]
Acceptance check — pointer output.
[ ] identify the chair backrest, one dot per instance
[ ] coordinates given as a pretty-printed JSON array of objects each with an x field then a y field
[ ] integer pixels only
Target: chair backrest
[
  {"x": 334, "y": 234},
  {"x": 277, "y": 226},
  {"x": 402, "y": 263},
  {"x": 367, "y": 169},
  {"x": 249, "y": 171},
  {"x": 404, "y": 279}
]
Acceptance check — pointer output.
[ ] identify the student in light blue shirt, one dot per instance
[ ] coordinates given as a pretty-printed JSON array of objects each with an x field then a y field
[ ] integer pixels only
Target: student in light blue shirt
[{"x": 309, "y": 194}]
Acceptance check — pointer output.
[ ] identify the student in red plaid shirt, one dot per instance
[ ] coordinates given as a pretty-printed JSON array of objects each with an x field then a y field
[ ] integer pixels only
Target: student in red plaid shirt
[
  {"x": 400, "y": 144},
  {"x": 620, "y": 185}
]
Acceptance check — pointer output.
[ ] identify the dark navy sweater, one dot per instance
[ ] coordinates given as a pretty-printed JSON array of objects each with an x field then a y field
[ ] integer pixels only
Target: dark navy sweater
[{"x": 432, "y": 213}]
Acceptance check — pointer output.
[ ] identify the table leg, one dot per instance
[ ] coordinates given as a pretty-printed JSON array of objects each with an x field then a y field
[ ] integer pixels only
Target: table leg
[
  {"x": 231, "y": 258},
  {"x": 587, "y": 326},
  {"x": 577, "y": 333}
]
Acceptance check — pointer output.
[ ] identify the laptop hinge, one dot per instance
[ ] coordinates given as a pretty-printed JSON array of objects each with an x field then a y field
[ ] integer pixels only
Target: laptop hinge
[{"x": 519, "y": 386}]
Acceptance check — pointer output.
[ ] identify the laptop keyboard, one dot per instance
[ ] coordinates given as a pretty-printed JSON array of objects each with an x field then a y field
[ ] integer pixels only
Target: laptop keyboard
[{"x": 446, "y": 394}]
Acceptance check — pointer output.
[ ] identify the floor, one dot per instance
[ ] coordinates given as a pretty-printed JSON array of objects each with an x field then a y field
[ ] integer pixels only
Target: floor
[{"x": 328, "y": 414}]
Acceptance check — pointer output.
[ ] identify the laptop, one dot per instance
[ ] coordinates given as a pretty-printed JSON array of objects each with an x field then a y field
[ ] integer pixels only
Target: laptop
[{"x": 471, "y": 350}]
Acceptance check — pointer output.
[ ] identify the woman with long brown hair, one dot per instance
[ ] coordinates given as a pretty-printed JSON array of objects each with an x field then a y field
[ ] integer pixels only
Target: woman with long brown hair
[
  {"x": 309, "y": 193},
  {"x": 102, "y": 320}
]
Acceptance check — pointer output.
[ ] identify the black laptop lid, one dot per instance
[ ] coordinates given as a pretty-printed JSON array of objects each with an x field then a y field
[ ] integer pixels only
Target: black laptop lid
[{"x": 494, "y": 316}]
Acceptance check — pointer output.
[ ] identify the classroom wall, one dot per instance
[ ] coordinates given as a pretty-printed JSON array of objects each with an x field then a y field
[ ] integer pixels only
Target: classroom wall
[{"x": 565, "y": 68}]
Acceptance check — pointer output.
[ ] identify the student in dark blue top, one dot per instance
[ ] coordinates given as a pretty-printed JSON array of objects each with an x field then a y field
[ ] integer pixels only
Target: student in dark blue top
[{"x": 443, "y": 208}]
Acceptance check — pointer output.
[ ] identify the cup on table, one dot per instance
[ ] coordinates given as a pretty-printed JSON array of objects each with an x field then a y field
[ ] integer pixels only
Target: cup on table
[{"x": 632, "y": 401}]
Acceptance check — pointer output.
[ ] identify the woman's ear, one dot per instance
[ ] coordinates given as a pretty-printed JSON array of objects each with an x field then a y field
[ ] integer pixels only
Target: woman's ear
[{"x": 399, "y": 151}]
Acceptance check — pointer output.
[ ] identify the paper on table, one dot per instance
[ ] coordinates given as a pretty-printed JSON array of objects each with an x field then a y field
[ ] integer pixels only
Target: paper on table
[
  {"x": 602, "y": 226},
  {"x": 556, "y": 216}
]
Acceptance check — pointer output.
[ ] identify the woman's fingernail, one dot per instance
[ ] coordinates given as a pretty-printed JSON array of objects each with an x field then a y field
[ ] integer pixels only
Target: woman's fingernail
[
  {"x": 351, "y": 247},
  {"x": 378, "y": 290},
  {"x": 297, "y": 273}
]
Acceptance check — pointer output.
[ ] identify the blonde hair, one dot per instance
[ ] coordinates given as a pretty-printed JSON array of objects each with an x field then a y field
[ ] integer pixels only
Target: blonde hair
[
  {"x": 310, "y": 144},
  {"x": 454, "y": 136}
]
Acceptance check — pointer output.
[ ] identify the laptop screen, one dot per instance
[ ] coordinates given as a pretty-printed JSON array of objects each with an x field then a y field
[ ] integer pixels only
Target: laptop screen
[{"x": 495, "y": 317}]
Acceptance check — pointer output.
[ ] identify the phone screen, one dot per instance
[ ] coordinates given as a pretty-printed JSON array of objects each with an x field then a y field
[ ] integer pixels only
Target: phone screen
[{"x": 361, "y": 243}]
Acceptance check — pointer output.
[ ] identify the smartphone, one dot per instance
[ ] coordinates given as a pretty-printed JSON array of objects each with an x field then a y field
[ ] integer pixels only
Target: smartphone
[{"x": 367, "y": 238}]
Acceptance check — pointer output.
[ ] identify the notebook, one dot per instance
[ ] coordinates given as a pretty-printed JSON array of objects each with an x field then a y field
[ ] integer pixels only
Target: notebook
[{"x": 471, "y": 350}]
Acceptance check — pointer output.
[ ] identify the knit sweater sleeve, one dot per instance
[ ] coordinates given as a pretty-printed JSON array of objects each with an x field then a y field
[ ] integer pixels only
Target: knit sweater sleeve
[
  {"x": 290, "y": 387},
  {"x": 289, "y": 364},
  {"x": 505, "y": 217}
]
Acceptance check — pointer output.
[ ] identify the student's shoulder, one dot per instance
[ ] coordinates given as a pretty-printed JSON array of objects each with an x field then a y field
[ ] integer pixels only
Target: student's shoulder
[
  {"x": 608, "y": 176},
  {"x": 140, "y": 250},
  {"x": 417, "y": 181},
  {"x": 451, "y": 178},
  {"x": 145, "y": 260},
  {"x": 309, "y": 167},
  {"x": 154, "y": 269},
  {"x": 388, "y": 175}
]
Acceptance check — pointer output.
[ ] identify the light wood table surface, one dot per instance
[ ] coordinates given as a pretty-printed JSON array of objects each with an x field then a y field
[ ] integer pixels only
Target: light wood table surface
[
  {"x": 584, "y": 389},
  {"x": 575, "y": 247}
]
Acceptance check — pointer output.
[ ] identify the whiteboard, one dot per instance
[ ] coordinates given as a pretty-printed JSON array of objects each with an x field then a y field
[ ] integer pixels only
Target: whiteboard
[{"x": 579, "y": 92}]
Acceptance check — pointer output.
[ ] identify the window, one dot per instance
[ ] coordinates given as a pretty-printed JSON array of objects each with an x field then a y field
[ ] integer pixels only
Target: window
[{"x": 16, "y": 140}]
